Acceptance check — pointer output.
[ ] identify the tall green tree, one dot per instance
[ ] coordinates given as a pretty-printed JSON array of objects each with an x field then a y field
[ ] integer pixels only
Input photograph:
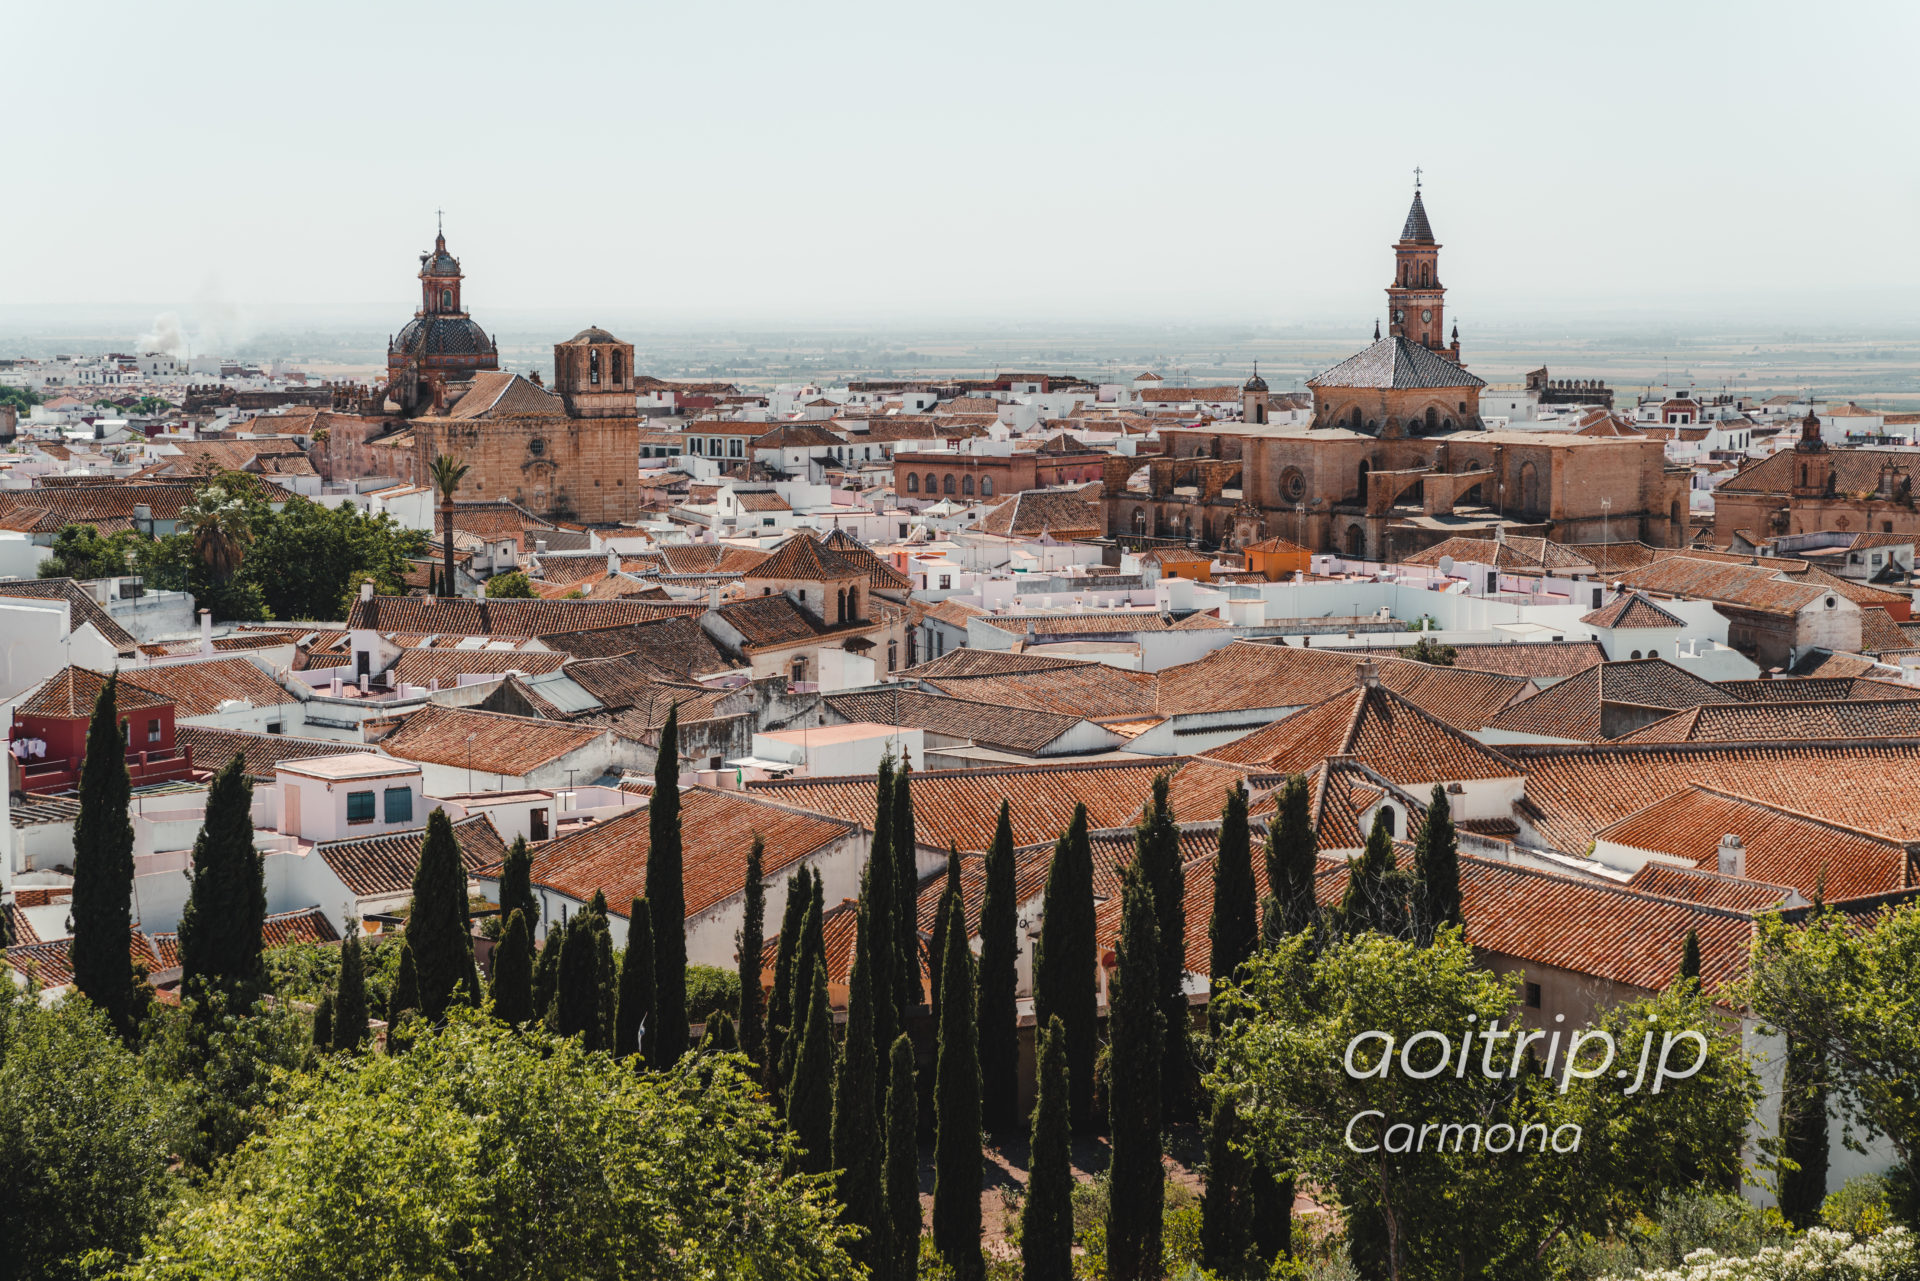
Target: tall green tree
[
  {"x": 1377, "y": 891},
  {"x": 350, "y": 999},
  {"x": 1233, "y": 932},
  {"x": 751, "y": 1028},
  {"x": 902, "y": 842},
  {"x": 1690, "y": 957},
  {"x": 636, "y": 982},
  {"x": 667, "y": 895},
  {"x": 957, "y": 1162},
  {"x": 857, "y": 1147},
  {"x": 780, "y": 999},
  {"x": 811, "y": 953},
  {"x": 1065, "y": 974},
  {"x": 323, "y": 1023},
  {"x": 403, "y": 1003},
  {"x": 516, "y": 884},
  {"x": 447, "y": 473},
  {"x": 577, "y": 1001},
  {"x": 901, "y": 1178},
  {"x": 1157, "y": 855},
  {"x": 1436, "y": 868},
  {"x": 546, "y": 971},
  {"x": 949, "y": 895},
  {"x": 1046, "y": 1225},
  {"x": 1137, "y": 1014},
  {"x": 1227, "y": 1208},
  {"x": 1226, "y": 1223},
  {"x": 513, "y": 973},
  {"x": 437, "y": 933},
  {"x": 1804, "y": 1133},
  {"x": 103, "y": 868},
  {"x": 226, "y": 906},
  {"x": 810, "y": 1090},
  {"x": 999, "y": 982},
  {"x": 1292, "y": 852},
  {"x": 883, "y": 953}
]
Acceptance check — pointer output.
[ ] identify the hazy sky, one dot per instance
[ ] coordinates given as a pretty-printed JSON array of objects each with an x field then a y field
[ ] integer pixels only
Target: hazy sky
[{"x": 1022, "y": 161}]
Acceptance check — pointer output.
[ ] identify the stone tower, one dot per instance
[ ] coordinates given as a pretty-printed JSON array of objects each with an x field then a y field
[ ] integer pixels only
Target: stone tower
[
  {"x": 1812, "y": 464},
  {"x": 1254, "y": 398},
  {"x": 1416, "y": 300},
  {"x": 593, "y": 372}
]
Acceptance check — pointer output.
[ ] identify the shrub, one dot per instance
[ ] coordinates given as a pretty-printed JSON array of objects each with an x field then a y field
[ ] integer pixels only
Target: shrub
[{"x": 710, "y": 990}]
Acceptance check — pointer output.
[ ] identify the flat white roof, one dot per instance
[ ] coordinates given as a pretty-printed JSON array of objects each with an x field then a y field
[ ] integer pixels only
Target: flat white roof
[{"x": 351, "y": 765}]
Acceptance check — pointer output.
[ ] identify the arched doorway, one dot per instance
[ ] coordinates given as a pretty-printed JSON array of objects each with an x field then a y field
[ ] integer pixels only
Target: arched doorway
[
  {"x": 1356, "y": 543},
  {"x": 1366, "y": 469}
]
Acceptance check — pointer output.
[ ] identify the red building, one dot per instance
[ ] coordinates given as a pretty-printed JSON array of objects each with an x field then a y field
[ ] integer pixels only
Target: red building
[{"x": 55, "y": 719}]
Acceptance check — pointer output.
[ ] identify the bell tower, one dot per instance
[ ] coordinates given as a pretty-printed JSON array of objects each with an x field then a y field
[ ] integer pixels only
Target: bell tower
[
  {"x": 1812, "y": 464},
  {"x": 593, "y": 372},
  {"x": 440, "y": 278},
  {"x": 1416, "y": 300}
]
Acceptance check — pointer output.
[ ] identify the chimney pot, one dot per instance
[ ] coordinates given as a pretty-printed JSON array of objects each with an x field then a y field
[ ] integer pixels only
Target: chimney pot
[
  {"x": 366, "y": 590},
  {"x": 1733, "y": 856}
]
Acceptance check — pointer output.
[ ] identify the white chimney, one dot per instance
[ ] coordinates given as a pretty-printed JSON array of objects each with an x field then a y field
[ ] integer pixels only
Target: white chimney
[
  {"x": 206, "y": 633},
  {"x": 540, "y": 546},
  {"x": 1367, "y": 674},
  {"x": 366, "y": 590},
  {"x": 333, "y": 686},
  {"x": 1733, "y": 856},
  {"x": 613, "y": 561},
  {"x": 363, "y": 682}
]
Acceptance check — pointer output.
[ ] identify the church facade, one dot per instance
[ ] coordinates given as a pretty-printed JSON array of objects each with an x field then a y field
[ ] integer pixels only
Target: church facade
[{"x": 1396, "y": 457}]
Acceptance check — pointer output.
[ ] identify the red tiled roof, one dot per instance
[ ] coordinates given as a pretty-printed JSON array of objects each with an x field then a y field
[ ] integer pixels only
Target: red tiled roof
[
  {"x": 1790, "y": 722},
  {"x": 1708, "y": 888},
  {"x": 426, "y": 615},
  {"x": 806, "y": 558},
  {"x": 1573, "y": 709},
  {"x": 72, "y": 691},
  {"x": 1247, "y": 675},
  {"x": 1378, "y": 728},
  {"x": 1631, "y": 610},
  {"x": 502, "y": 744},
  {"x": 213, "y": 748},
  {"x": 1077, "y": 689},
  {"x": 423, "y": 666},
  {"x": 380, "y": 865},
  {"x": 1019, "y": 729},
  {"x": 198, "y": 688}
]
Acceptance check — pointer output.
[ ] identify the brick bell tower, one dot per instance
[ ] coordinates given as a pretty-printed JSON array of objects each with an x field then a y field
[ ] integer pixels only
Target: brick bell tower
[{"x": 1416, "y": 300}]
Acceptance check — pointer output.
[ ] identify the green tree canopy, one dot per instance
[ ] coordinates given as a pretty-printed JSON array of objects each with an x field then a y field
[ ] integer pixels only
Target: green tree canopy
[{"x": 513, "y": 585}]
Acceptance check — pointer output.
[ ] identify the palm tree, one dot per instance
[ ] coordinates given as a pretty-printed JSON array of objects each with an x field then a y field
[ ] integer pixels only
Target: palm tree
[
  {"x": 220, "y": 530},
  {"x": 447, "y": 473}
]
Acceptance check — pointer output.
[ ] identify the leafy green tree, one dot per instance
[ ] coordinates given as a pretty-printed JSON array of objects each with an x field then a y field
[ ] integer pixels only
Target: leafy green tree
[
  {"x": 445, "y": 1162},
  {"x": 405, "y": 998},
  {"x": 901, "y": 1178},
  {"x": 220, "y": 927},
  {"x": 323, "y": 1024},
  {"x": 80, "y": 552},
  {"x": 1046, "y": 1225},
  {"x": 957, "y": 1161},
  {"x": 667, "y": 895},
  {"x": 810, "y": 1090},
  {"x": 1436, "y": 868},
  {"x": 103, "y": 868},
  {"x": 446, "y": 474},
  {"x": 509, "y": 586},
  {"x": 1137, "y": 1015},
  {"x": 751, "y": 946},
  {"x": 1428, "y": 650},
  {"x": 308, "y": 560},
  {"x": 949, "y": 895},
  {"x": 1690, "y": 956},
  {"x": 1803, "y": 1141},
  {"x": 1292, "y": 852},
  {"x": 350, "y": 1000},
  {"x": 999, "y": 982},
  {"x": 857, "y": 1149},
  {"x": 221, "y": 1061},
  {"x": 219, "y": 525},
  {"x": 513, "y": 973},
  {"x": 1064, "y": 962},
  {"x": 23, "y": 399},
  {"x": 780, "y": 999},
  {"x": 437, "y": 933},
  {"x": 1157, "y": 855},
  {"x": 85, "y": 1138},
  {"x": 636, "y": 982},
  {"x": 1307, "y": 1015},
  {"x": 903, "y": 842}
]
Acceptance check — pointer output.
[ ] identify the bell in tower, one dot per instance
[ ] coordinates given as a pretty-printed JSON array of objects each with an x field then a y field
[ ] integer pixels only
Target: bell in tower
[
  {"x": 593, "y": 372},
  {"x": 1416, "y": 300}
]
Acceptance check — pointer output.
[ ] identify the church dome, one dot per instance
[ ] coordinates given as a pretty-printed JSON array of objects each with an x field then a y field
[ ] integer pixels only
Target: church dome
[
  {"x": 1255, "y": 383},
  {"x": 591, "y": 334},
  {"x": 441, "y": 336}
]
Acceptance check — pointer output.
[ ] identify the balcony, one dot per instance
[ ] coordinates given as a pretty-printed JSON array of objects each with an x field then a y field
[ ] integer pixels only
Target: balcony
[{"x": 143, "y": 768}]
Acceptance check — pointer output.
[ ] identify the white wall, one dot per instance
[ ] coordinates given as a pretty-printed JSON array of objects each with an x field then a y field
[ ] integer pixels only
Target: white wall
[{"x": 35, "y": 644}]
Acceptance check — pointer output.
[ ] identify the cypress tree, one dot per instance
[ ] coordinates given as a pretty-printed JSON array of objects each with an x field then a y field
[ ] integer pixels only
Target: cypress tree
[
  {"x": 883, "y": 952},
  {"x": 720, "y": 1036},
  {"x": 227, "y": 903},
  {"x": 546, "y": 972},
  {"x": 323, "y": 1024},
  {"x": 780, "y": 1000},
  {"x": 636, "y": 982},
  {"x": 751, "y": 945},
  {"x": 810, "y": 1089},
  {"x": 1375, "y": 897},
  {"x": 1065, "y": 977},
  {"x": 1233, "y": 933},
  {"x": 957, "y": 1161},
  {"x": 1803, "y": 1131},
  {"x": 902, "y": 843},
  {"x": 1292, "y": 852},
  {"x": 1690, "y": 957},
  {"x": 103, "y": 868},
  {"x": 667, "y": 895},
  {"x": 606, "y": 986},
  {"x": 1046, "y": 1225},
  {"x": 1226, "y": 1211},
  {"x": 404, "y": 1001},
  {"x": 516, "y": 883},
  {"x": 856, "y": 1142},
  {"x": 437, "y": 924},
  {"x": 901, "y": 1179},
  {"x": 1272, "y": 1197},
  {"x": 350, "y": 1001},
  {"x": 513, "y": 973},
  {"x": 949, "y": 894},
  {"x": 1135, "y": 1178},
  {"x": 999, "y": 983},
  {"x": 811, "y": 953},
  {"x": 577, "y": 1001},
  {"x": 1157, "y": 855},
  {"x": 1436, "y": 864}
]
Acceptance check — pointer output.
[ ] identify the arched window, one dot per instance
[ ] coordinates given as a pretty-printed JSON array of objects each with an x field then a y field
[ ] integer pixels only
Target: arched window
[
  {"x": 840, "y": 598},
  {"x": 1803, "y": 475},
  {"x": 1433, "y": 418},
  {"x": 933, "y": 483},
  {"x": 1636, "y": 653},
  {"x": 1358, "y": 418},
  {"x": 446, "y": 300},
  {"x": 893, "y": 655},
  {"x": 986, "y": 487},
  {"x": 1391, "y": 818},
  {"x": 966, "y": 486},
  {"x": 946, "y": 483},
  {"x": 616, "y": 369},
  {"x": 593, "y": 368},
  {"x": 853, "y": 603},
  {"x": 1426, "y": 274},
  {"x": 913, "y": 482},
  {"x": 1356, "y": 542}
]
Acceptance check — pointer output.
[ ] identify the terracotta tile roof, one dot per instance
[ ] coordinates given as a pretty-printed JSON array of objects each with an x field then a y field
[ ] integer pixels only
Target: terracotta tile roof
[
  {"x": 1709, "y": 888},
  {"x": 50, "y": 964},
  {"x": 1118, "y": 622},
  {"x": 1533, "y": 659},
  {"x": 769, "y": 622},
  {"x": 83, "y": 607},
  {"x": 198, "y": 688},
  {"x": 213, "y": 748},
  {"x": 1747, "y": 586},
  {"x": 1777, "y": 722},
  {"x": 990, "y": 662},
  {"x": 1879, "y": 634},
  {"x": 1574, "y": 708},
  {"x": 708, "y": 558},
  {"x": 806, "y": 558},
  {"x": 306, "y": 925},
  {"x": 1017, "y": 729},
  {"x": 1034, "y": 512},
  {"x": 955, "y": 614},
  {"x": 568, "y": 568},
  {"x": 423, "y": 615},
  {"x": 1276, "y": 545},
  {"x": 1523, "y": 555},
  {"x": 1827, "y": 664},
  {"x": 1573, "y": 792},
  {"x": 1783, "y": 846},
  {"x": 880, "y": 573},
  {"x": 94, "y": 500},
  {"x": 72, "y": 691},
  {"x": 1814, "y": 689},
  {"x": 1190, "y": 395},
  {"x": 501, "y": 744},
  {"x": 719, "y": 829},
  {"x": 381, "y": 865},
  {"x": 423, "y": 666},
  {"x": 499, "y": 394},
  {"x": 1342, "y": 792},
  {"x": 1855, "y": 471},
  {"x": 1631, "y": 610},
  {"x": 1247, "y": 675},
  {"x": 1077, "y": 689},
  {"x": 1395, "y": 362},
  {"x": 1378, "y": 728},
  {"x": 676, "y": 645}
]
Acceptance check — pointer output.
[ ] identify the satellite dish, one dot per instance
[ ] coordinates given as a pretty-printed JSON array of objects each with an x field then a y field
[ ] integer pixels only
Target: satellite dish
[{"x": 1446, "y": 566}]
